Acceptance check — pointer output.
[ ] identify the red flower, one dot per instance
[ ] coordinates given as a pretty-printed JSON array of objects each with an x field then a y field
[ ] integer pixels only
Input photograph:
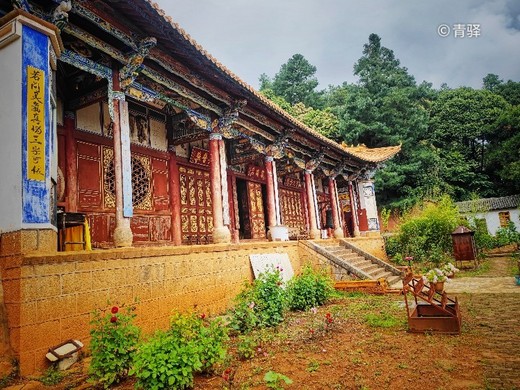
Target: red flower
[
  {"x": 113, "y": 319},
  {"x": 115, "y": 309},
  {"x": 226, "y": 374},
  {"x": 202, "y": 316},
  {"x": 311, "y": 330}
]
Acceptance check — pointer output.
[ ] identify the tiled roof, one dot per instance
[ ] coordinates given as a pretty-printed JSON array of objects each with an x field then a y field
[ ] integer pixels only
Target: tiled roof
[
  {"x": 489, "y": 204},
  {"x": 367, "y": 153},
  {"x": 372, "y": 154}
]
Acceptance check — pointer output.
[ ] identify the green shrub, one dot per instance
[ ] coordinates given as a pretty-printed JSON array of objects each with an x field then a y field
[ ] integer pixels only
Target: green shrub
[
  {"x": 309, "y": 289},
  {"x": 246, "y": 347},
  {"x": 209, "y": 335},
  {"x": 507, "y": 235},
  {"x": 169, "y": 359},
  {"x": 425, "y": 234},
  {"x": 114, "y": 338},
  {"x": 260, "y": 304},
  {"x": 164, "y": 362}
]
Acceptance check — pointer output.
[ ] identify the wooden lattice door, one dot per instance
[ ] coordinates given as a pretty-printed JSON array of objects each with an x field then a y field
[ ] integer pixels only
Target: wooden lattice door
[
  {"x": 256, "y": 210},
  {"x": 293, "y": 214},
  {"x": 196, "y": 213}
]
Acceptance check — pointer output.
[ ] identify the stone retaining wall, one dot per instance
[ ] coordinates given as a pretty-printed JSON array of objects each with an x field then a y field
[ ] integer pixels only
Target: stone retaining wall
[{"x": 49, "y": 298}]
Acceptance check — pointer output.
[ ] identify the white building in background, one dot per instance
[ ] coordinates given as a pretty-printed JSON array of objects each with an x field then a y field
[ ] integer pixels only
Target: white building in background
[{"x": 497, "y": 212}]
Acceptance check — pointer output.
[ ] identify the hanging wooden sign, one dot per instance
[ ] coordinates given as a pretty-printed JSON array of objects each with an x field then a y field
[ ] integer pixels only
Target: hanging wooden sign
[{"x": 199, "y": 156}]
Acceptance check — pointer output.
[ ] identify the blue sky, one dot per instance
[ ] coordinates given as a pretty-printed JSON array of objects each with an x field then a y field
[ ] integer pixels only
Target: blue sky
[{"x": 254, "y": 37}]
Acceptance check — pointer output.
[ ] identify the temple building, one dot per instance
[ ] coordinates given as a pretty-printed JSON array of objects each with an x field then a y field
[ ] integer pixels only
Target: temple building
[{"x": 110, "y": 113}]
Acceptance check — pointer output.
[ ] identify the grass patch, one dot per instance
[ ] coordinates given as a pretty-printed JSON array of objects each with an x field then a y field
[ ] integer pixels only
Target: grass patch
[
  {"x": 382, "y": 320},
  {"x": 482, "y": 268}
]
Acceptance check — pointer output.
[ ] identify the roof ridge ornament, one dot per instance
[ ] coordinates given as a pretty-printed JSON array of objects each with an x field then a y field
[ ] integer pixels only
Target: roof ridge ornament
[
  {"x": 225, "y": 123},
  {"x": 277, "y": 148},
  {"x": 131, "y": 70},
  {"x": 60, "y": 16},
  {"x": 315, "y": 161},
  {"x": 21, "y": 4}
]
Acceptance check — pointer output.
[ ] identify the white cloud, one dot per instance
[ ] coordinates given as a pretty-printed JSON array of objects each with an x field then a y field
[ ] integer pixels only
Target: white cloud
[{"x": 251, "y": 38}]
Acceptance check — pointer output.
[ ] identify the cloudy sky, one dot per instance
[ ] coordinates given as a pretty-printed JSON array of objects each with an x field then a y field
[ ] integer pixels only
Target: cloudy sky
[{"x": 254, "y": 37}]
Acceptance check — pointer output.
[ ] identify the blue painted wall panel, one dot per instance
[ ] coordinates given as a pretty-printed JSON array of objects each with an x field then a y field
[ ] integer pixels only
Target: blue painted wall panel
[{"x": 35, "y": 196}]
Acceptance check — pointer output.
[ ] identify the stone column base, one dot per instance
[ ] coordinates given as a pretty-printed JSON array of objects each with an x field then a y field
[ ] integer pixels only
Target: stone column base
[
  {"x": 221, "y": 235},
  {"x": 123, "y": 236},
  {"x": 315, "y": 234},
  {"x": 278, "y": 233},
  {"x": 338, "y": 233}
]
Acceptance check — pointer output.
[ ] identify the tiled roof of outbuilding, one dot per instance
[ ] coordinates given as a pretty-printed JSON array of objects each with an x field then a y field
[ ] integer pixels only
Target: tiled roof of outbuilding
[{"x": 489, "y": 204}]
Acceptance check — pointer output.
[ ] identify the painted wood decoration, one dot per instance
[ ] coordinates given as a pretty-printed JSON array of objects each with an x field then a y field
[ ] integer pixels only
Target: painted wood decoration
[
  {"x": 199, "y": 156},
  {"x": 196, "y": 201},
  {"x": 293, "y": 214},
  {"x": 292, "y": 182},
  {"x": 256, "y": 210},
  {"x": 256, "y": 172}
]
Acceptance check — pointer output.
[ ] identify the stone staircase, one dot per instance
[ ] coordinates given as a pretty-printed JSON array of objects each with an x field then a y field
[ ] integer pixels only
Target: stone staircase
[{"x": 357, "y": 262}]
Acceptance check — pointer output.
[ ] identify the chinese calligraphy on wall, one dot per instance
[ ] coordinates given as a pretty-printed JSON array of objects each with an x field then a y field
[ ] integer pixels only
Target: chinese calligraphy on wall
[{"x": 35, "y": 124}]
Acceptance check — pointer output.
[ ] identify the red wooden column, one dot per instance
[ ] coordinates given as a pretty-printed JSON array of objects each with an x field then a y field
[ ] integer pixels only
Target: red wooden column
[
  {"x": 175, "y": 197},
  {"x": 71, "y": 173},
  {"x": 311, "y": 209},
  {"x": 338, "y": 232},
  {"x": 122, "y": 233},
  {"x": 353, "y": 208},
  {"x": 269, "y": 185},
  {"x": 221, "y": 233}
]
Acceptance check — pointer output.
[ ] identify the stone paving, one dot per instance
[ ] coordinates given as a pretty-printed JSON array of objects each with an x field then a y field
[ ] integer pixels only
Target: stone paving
[{"x": 495, "y": 302}]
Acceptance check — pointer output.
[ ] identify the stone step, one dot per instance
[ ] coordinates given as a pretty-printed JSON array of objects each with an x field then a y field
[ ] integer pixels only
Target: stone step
[{"x": 368, "y": 267}]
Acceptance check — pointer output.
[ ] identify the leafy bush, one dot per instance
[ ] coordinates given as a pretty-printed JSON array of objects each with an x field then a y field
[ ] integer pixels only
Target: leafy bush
[
  {"x": 209, "y": 335},
  {"x": 169, "y": 359},
  {"x": 114, "y": 338},
  {"x": 507, "y": 235},
  {"x": 426, "y": 232},
  {"x": 163, "y": 362},
  {"x": 246, "y": 347},
  {"x": 260, "y": 304},
  {"x": 309, "y": 289}
]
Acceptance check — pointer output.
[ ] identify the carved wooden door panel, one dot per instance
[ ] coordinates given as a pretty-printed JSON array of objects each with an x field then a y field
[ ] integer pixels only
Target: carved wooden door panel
[
  {"x": 196, "y": 213},
  {"x": 291, "y": 205},
  {"x": 256, "y": 210}
]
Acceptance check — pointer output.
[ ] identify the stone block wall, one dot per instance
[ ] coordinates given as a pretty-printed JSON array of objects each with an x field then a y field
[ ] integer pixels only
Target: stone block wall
[
  {"x": 50, "y": 298},
  {"x": 373, "y": 245}
]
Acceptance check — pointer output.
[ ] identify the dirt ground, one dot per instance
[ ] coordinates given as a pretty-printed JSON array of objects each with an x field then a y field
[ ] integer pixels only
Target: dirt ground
[{"x": 367, "y": 346}]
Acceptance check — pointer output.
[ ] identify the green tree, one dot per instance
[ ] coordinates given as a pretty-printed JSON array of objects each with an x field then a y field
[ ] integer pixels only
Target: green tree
[
  {"x": 387, "y": 107},
  {"x": 503, "y": 158},
  {"x": 509, "y": 91},
  {"x": 462, "y": 124},
  {"x": 296, "y": 82}
]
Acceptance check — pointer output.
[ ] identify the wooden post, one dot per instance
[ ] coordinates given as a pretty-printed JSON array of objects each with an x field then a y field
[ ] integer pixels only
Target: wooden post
[
  {"x": 122, "y": 233},
  {"x": 71, "y": 179},
  {"x": 338, "y": 232},
  {"x": 311, "y": 209},
  {"x": 175, "y": 197},
  {"x": 221, "y": 233},
  {"x": 271, "y": 205},
  {"x": 353, "y": 208}
]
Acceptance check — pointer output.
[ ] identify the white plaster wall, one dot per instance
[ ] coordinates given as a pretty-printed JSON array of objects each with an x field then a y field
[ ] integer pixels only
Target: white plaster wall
[
  {"x": 10, "y": 136},
  {"x": 493, "y": 221},
  {"x": 367, "y": 200}
]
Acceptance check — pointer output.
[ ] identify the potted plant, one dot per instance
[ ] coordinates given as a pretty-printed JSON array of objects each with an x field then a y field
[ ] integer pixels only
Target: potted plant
[
  {"x": 449, "y": 270},
  {"x": 436, "y": 278}
]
